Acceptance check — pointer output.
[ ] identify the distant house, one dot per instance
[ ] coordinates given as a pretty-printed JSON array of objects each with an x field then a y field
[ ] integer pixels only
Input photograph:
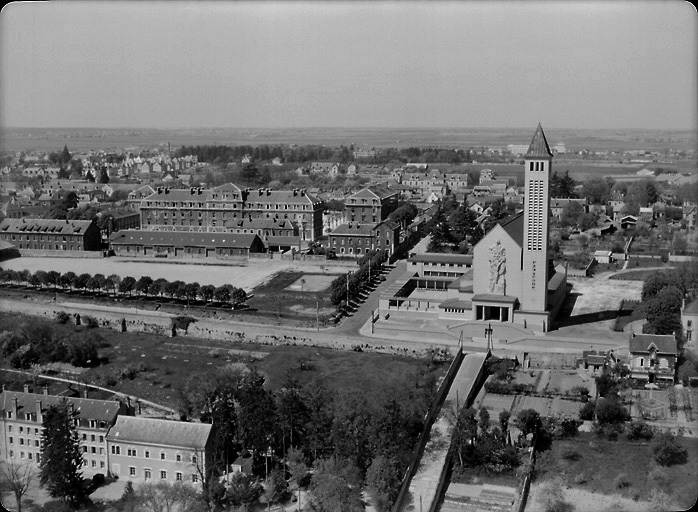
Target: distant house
[
  {"x": 329, "y": 168},
  {"x": 276, "y": 161},
  {"x": 352, "y": 169},
  {"x": 352, "y": 239},
  {"x": 653, "y": 357},
  {"x": 628, "y": 221},
  {"x": 558, "y": 205},
  {"x": 603, "y": 257}
]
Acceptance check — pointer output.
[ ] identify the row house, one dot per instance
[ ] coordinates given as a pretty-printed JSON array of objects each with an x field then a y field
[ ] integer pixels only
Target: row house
[
  {"x": 371, "y": 205},
  {"x": 158, "y": 450},
  {"x": 52, "y": 235},
  {"x": 354, "y": 239},
  {"x": 221, "y": 208},
  {"x": 22, "y": 426}
]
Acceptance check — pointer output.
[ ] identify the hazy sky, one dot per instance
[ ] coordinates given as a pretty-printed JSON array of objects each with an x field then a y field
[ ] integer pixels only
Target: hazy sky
[{"x": 375, "y": 64}]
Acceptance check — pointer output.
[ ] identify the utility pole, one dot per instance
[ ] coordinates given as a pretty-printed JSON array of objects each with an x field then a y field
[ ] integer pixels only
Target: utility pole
[
  {"x": 348, "y": 272},
  {"x": 488, "y": 334},
  {"x": 317, "y": 315}
]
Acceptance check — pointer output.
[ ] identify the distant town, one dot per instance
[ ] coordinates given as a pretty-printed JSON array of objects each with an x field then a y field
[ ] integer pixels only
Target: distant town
[{"x": 349, "y": 326}]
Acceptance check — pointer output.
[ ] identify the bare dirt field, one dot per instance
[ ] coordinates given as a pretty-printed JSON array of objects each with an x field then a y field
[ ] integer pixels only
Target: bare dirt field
[
  {"x": 246, "y": 275},
  {"x": 599, "y": 294}
]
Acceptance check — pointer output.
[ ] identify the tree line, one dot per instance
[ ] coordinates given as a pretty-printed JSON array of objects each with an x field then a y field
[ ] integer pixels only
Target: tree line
[
  {"x": 350, "y": 439},
  {"x": 347, "y": 287},
  {"x": 145, "y": 286}
]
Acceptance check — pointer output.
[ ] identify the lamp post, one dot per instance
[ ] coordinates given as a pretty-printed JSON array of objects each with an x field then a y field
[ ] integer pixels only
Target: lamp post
[{"x": 488, "y": 335}]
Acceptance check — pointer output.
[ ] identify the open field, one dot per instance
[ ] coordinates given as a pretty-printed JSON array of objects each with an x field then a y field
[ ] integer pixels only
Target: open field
[
  {"x": 163, "y": 364},
  {"x": 588, "y": 463}
]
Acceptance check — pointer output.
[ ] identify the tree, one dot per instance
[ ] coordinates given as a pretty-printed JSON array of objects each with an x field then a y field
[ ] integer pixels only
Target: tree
[
  {"x": 383, "y": 482},
  {"x": 297, "y": 468},
  {"x": 64, "y": 157},
  {"x": 41, "y": 277},
  {"x": 113, "y": 282},
  {"x": 441, "y": 236},
  {"x": 256, "y": 414},
  {"x": 191, "y": 291},
  {"x": 243, "y": 490},
  {"x": 143, "y": 285},
  {"x": 663, "y": 312},
  {"x": 336, "y": 486},
  {"x": 53, "y": 278},
  {"x": 67, "y": 279},
  {"x": 597, "y": 190},
  {"x": 61, "y": 455},
  {"x": 528, "y": 421},
  {"x": 207, "y": 292},
  {"x": 18, "y": 476},
  {"x": 222, "y": 294},
  {"x": 127, "y": 284},
  {"x": 610, "y": 410},
  {"x": 562, "y": 186},
  {"x": 667, "y": 452},
  {"x": 571, "y": 214},
  {"x": 165, "y": 497},
  {"x": 103, "y": 175},
  {"x": 275, "y": 487},
  {"x": 82, "y": 281}
]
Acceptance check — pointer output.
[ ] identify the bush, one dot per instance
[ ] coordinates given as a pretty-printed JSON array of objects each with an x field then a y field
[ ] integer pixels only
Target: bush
[
  {"x": 586, "y": 413},
  {"x": 610, "y": 410},
  {"x": 90, "y": 321},
  {"x": 639, "y": 430},
  {"x": 667, "y": 451},
  {"x": 62, "y": 317},
  {"x": 571, "y": 454},
  {"x": 621, "y": 481}
]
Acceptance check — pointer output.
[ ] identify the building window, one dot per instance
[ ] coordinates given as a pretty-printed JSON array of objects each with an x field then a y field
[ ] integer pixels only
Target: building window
[
  {"x": 195, "y": 478},
  {"x": 12, "y": 441},
  {"x": 178, "y": 476},
  {"x": 178, "y": 457},
  {"x": 147, "y": 474},
  {"x": 147, "y": 454},
  {"x": 115, "y": 450},
  {"x": 162, "y": 455},
  {"x": 163, "y": 475},
  {"x": 193, "y": 459},
  {"x": 93, "y": 463},
  {"x": 132, "y": 471}
]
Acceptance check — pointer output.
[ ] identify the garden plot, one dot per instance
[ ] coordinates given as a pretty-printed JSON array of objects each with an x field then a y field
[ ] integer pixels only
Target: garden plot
[{"x": 311, "y": 283}]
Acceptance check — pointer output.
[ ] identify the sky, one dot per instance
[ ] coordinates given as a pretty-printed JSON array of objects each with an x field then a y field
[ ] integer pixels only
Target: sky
[{"x": 478, "y": 64}]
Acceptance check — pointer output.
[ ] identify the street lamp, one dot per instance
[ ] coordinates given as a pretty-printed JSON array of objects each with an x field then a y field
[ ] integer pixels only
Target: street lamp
[{"x": 488, "y": 335}]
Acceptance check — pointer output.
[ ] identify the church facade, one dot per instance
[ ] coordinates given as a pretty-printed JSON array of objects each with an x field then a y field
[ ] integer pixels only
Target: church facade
[{"x": 511, "y": 278}]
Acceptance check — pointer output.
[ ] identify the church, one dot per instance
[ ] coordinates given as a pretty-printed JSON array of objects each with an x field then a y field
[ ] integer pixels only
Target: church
[{"x": 508, "y": 278}]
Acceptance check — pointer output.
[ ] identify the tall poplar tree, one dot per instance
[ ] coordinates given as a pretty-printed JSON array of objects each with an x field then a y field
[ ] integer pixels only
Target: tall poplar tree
[{"x": 61, "y": 455}]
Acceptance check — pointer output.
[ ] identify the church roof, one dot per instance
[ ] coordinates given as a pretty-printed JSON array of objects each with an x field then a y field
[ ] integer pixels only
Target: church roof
[
  {"x": 515, "y": 229},
  {"x": 539, "y": 145}
]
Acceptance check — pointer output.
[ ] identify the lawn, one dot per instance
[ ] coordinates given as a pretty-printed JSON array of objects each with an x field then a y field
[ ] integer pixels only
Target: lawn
[
  {"x": 593, "y": 464},
  {"x": 633, "y": 275}
]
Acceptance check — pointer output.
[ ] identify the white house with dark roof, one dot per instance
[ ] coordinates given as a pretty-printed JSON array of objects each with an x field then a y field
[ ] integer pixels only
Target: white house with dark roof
[
  {"x": 689, "y": 322},
  {"x": 653, "y": 357},
  {"x": 158, "y": 450}
]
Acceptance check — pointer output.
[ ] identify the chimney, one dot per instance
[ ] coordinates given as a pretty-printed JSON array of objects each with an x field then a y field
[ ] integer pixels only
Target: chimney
[
  {"x": 38, "y": 411},
  {"x": 191, "y": 190},
  {"x": 15, "y": 406},
  {"x": 84, "y": 393},
  {"x": 26, "y": 388},
  {"x": 3, "y": 387},
  {"x": 167, "y": 190},
  {"x": 268, "y": 191},
  {"x": 46, "y": 389}
]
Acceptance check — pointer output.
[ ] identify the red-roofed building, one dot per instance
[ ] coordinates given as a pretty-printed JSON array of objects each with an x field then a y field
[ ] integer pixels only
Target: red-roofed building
[{"x": 653, "y": 357}]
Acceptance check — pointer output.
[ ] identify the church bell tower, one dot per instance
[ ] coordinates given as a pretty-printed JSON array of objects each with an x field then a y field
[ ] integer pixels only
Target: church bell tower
[{"x": 537, "y": 160}]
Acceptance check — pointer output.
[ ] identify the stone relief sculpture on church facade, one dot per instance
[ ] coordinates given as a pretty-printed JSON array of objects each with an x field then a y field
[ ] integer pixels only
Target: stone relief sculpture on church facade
[{"x": 498, "y": 269}]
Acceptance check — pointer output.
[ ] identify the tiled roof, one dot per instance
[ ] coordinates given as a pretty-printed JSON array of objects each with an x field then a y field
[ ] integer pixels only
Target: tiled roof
[
  {"x": 184, "y": 239},
  {"x": 539, "y": 145},
  {"x": 89, "y": 409},
  {"x": 374, "y": 191},
  {"x": 353, "y": 229},
  {"x": 159, "y": 432},
  {"x": 64, "y": 227},
  {"x": 665, "y": 343}
]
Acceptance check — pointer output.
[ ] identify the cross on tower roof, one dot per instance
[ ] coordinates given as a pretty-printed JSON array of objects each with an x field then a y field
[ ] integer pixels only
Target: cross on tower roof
[{"x": 539, "y": 145}]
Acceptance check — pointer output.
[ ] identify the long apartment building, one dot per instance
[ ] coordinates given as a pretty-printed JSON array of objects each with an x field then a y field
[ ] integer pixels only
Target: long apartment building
[
  {"x": 225, "y": 208},
  {"x": 112, "y": 441},
  {"x": 22, "y": 426}
]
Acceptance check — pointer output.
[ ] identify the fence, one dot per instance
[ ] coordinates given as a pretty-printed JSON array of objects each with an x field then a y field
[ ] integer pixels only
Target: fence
[
  {"x": 38, "y": 253},
  {"x": 527, "y": 480},
  {"x": 428, "y": 420}
]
